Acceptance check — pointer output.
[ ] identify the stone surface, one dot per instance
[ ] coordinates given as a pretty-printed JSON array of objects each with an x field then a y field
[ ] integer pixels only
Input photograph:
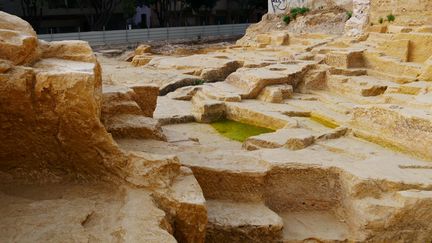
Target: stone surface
[
  {"x": 142, "y": 49},
  {"x": 19, "y": 41},
  {"x": 134, "y": 126},
  {"x": 207, "y": 111},
  {"x": 294, "y": 139},
  {"x": 208, "y": 68},
  {"x": 403, "y": 128},
  {"x": 186, "y": 207},
  {"x": 345, "y": 59},
  {"x": 356, "y": 25},
  {"x": 407, "y": 13},
  {"x": 235, "y": 222},
  {"x": 141, "y": 60},
  {"x": 349, "y": 160},
  {"x": 64, "y": 178},
  {"x": 253, "y": 81}
]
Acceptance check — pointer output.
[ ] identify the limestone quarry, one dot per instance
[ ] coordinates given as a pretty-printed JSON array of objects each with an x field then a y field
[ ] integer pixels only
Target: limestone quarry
[{"x": 319, "y": 130}]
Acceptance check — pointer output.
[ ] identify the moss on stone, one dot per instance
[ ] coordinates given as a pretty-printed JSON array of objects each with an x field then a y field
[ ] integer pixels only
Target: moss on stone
[
  {"x": 325, "y": 121},
  {"x": 238, "y": 131}
]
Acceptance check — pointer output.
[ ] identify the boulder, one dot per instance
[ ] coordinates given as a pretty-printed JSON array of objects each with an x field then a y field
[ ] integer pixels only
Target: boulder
[
  {"x": 19, "y": 41},
  {"x": 141, "y": 60},
  {"x": 143, "y": 49}
]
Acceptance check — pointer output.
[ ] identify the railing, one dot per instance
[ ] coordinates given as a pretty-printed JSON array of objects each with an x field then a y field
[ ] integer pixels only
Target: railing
[{"x": 154, "y": 34}]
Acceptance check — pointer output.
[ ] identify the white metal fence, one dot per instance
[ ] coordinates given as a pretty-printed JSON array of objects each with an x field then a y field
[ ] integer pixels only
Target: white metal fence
[{"x": 154, "y": 34}]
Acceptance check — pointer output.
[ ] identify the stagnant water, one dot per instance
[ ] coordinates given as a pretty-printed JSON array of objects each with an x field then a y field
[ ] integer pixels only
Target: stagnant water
[{"x": 238, "y": 131}]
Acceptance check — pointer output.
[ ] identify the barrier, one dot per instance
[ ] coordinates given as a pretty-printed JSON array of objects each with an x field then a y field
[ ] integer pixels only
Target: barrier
[{"x": 154, "y": 34}]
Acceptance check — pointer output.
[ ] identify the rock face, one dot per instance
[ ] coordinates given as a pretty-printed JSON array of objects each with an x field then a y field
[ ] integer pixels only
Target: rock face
[
  {"x": 406, "y": 12},
  {"x": 62, "y": 175},
  {"x": 277, "y": 7},
  {"x": 356, "y": 25},
  {"x": 50, "y": 98},
  {"x": 20, "y": 42},
  {"x": 208, "y": 68}
]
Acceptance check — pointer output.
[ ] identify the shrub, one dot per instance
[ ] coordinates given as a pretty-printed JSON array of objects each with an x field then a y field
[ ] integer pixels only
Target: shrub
[
  {"x": 286, "y": 19},
  {"x": 303, "y": 10},
  {"x": 391, "y": 18},
  {"x": 296, "y": 11},
  {"x": 381, "y": 20},
  {"x": 199, "y": 82},
  {"x": 349, "y": 14}
]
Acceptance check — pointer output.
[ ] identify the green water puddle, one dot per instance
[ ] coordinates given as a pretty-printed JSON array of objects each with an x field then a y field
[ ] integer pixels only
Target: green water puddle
[{"x": 238, "y": 131}]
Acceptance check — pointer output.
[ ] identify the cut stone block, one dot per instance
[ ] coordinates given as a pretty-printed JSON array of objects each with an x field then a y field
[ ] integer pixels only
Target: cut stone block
[
  {"x": 426, "y": 74},
  {"x": 264, "y": 39},
  {"x": 294, "y": 139},
  {"x": 207, "y": 67},
  {"x": 253, "y": 81},
  {"x": 398, "y": 29},
  {"x": 133, "y": 126},
  {"x": 142, "y": 49},
  {"x": 345, "y": 59},
  {"x": 318, "y": 225},
  {"x": 280, "y": 39},
  {"x": 391, "y": 68},
  {"x": 242, "y": 222},
  {"x": 424, "y": 29},
  {"x": 170, "y": 111},
  {"x": 358, "y": 85},
  {"x": 206, "y": 111},
  {"x": 146, "y": 97},
  {"x": 141, "y": 60},
  {"x": 378, "y": 28},
  {"x": 405, "y": 129},
  {"x": 420, "y": 45},
  {"x": 186, "y": 206},
  {"x": 152, "y": 170},
  {"x": 395, "y": 48}
]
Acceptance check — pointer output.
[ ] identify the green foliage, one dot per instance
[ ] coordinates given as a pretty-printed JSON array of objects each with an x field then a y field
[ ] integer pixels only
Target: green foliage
[
  {"x": 286, "y": 19},
  {"x": 303, "y": 10},
  {"x": 296, "y": 11},
  {"x": 349, "y": 14},
  {"x": 381, "y": 20},
  {"x": 238, "y": 131},
  {"x": 129, "y": 8},
  {"x": 391, "y": 18},
  {"x": 199, "y": 82}
]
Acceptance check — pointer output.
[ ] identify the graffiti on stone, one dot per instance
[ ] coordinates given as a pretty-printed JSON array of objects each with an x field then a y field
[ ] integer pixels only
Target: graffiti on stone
[{"x": 281, "y": 5}]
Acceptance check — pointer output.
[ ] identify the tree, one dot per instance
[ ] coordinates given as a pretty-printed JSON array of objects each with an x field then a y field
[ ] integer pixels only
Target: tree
[
  {"x": 249, "y": 6},
  {"x": 196, "y": 5},
  {"x": 103, "y": 10},
  {"x": 167, "y": 10},
  {"x": 33, "y": 11}
]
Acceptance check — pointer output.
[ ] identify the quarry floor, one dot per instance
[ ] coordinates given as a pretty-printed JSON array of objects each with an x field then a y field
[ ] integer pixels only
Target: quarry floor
[
  {"x": 107, "y": 145},
  {"x": 324, "y": 175},
  {"x": 345, "y": 185}
]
